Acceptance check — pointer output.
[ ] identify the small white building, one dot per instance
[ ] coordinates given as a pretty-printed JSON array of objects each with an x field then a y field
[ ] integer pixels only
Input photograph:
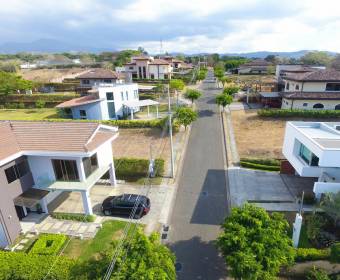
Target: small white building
[
  {"x": 313, "y": 149},
  {"x": 316, "y": 89},
  {"x": 148, "y": 67}
]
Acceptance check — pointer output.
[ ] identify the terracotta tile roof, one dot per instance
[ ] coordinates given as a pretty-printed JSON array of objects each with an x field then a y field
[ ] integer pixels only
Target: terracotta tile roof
[
  {"x": 326, "y": 75},
  {"x": 158, "y": 61},
  {"x": 256, "y": 62},
  {"x": 16, "y": 136},
  {"x": 87, "y": 99},
  {"x": 99, "y": 73},
  {"x": 312, "y": 95}
]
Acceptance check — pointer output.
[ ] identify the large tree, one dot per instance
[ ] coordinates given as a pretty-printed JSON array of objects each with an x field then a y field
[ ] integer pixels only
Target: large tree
[
  {"x": 255, "y": 244},
  {"x": 185, "y": 116},
  {"x": 192, "y": 94},
  {"x": 316, "y": 58},
  {"x": 11, "y": 83}
]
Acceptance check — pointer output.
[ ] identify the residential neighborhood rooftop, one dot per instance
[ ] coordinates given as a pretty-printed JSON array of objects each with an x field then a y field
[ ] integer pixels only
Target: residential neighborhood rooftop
[
  {"x": 323, "y": 75},
  {"x": 99, "y": 73},
  {"x": 328, "y": 95},
  {"x": 87, "y": 99},
  {"x": 30, "y": 136}
]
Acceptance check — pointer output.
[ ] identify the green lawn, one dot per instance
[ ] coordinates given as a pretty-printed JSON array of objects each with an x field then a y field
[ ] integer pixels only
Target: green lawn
[
  {"x": 85, "y": 249},
  {"x": 28, "y": 114}
]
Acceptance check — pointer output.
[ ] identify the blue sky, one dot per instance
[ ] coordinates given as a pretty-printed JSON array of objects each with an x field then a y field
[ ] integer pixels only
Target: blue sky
[{"x": 184, "y": 26}]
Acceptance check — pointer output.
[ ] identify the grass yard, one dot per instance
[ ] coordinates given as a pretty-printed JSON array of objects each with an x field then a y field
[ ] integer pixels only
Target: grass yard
[
  {"x": 28, "y": 114},
  {"x": 85, "y": 249}
]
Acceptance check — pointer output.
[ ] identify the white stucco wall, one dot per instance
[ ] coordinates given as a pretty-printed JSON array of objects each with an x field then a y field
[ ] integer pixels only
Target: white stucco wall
[
  {"x": 104, "y": 154},
  {"x": 94, "y": 111},
  {"x": 299, "y": 104}
]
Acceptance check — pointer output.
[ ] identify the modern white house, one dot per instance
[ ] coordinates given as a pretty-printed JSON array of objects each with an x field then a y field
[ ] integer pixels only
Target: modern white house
[
  {"x": 41, "y": 160},
  {"x": 148, "y": 67},
  {"x": 314, "y": 89},
  {"x": 313, "y": 149}
]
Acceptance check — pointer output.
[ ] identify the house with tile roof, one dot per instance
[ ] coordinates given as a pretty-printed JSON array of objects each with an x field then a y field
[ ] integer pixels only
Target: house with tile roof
[
  {"x": 313, "y": 89},
  {"x": 257, "y": 66},
  {"x": 148, "y": 67},
  {"x": 41, "y": 160}
]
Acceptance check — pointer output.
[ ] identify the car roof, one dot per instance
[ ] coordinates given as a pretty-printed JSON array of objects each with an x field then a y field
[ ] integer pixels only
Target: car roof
[{"x": 131, "y": 197}]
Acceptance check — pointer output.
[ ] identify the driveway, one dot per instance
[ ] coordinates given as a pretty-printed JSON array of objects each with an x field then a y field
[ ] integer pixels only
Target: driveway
[{"x": 201, "y": 200}]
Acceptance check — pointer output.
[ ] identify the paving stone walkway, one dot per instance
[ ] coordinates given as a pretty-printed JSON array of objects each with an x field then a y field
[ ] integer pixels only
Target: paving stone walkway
[{"x": 73, "y": 228}]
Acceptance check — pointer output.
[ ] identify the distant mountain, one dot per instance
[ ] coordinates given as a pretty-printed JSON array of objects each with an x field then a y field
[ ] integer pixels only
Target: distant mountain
[
  {"x": 47, "y": 46},
  {"x": 263, "y": 54}
]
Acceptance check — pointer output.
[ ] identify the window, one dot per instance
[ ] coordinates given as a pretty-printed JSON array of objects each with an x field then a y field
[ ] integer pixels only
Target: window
[
  {"x": 86, "y": 82},
  {"x": 65, "y": 170},
  {"x": 135, "y": 93},
  {"x": 131, "y": 67},
  {"x": 318, "y": 106},
  {"x": 307, "y": 156},
  {"x": 17, "y": 171},
  {"x": 287, "y": 86},
  {"x": 333, "y": 86},
  {"x": 109, "y": 96},
  {"x": 122, "y": 95},
  {"x": 152, "y": 76},
  {"x": 297, "y": 87},
  {"x": 166, "y": 76},
  {"x": 337, "y": 107},
  {"x": 111, "y": 109},
  {"x": 305, "y": 104},
  {"x": 107, "y": 81},
  {"x": 82, "y": 114},
  {"x": 127, "y": 95},
  {"x": 90, "y": 164}
]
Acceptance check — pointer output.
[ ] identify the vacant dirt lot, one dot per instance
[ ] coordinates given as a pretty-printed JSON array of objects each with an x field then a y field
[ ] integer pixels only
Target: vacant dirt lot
[
  {"x": 257, "y": 137},
  {"x": 50, "y": 75},
  {"x": 136, "y": 143}
]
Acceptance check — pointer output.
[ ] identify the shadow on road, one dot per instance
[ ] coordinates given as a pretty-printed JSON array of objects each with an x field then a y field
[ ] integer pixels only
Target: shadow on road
[
  {"x": 204, "y": 260},
  {"x": 211, "y": 205},
  {"x": 205, "y": 113}
]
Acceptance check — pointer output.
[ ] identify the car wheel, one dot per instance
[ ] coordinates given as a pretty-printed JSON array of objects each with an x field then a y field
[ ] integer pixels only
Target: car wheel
[
  {"x": 137, "y": 216},
  {"x": 107, "y": 212}
]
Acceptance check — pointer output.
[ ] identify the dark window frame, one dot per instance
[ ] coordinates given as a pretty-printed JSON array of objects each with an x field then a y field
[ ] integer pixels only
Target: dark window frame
[
  {"x": 63, "y": 172},
  {"x": 17, "y": 171},
  {"x": 90, "y": 164}
]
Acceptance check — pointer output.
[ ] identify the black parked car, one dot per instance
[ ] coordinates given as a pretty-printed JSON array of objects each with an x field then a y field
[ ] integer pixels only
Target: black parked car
[{"x": 123, "y": 205}]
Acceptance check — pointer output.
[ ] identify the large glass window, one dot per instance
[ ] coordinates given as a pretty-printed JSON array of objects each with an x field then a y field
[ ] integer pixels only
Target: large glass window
[
  {"x": 111, "y": 110},
  {"x": 65, "y": 170},
  {"x": 333, "y": 86},
  {"x": 82, "y": 114},
  {"x": 308, "y": 156},
  {"x": 17, "y": 171},
  {"x": 109, "y": 96},
  {"x": 90, "y": 164}
]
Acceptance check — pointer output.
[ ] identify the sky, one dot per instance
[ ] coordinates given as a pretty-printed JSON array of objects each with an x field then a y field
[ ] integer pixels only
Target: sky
[{"x": 194, "y": 26}]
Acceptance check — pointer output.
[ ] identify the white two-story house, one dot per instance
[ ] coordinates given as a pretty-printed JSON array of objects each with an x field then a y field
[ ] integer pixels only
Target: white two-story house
[
  {"x": 41, "y": 160},
  {"x": 148, "y": 67},
  {"x": 313, "y": 149},
  {"x": 316, "y": 89}
]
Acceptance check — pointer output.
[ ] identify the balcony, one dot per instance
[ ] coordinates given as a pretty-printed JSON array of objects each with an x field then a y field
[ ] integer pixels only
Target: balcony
[{"x": 327, "y": 184}]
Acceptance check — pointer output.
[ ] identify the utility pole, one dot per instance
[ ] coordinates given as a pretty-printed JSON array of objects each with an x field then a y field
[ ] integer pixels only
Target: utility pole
[{"x": 170, "y": 134}]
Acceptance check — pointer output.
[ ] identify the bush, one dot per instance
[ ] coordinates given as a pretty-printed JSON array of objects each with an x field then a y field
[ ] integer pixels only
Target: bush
[
  {"x": 314, "y": 226},
  {"x": 143, "y": 96},
  {"x": 259, "y": 166},
  {"x": 40, "y": 104},
  {"x": 316, "y": 274},
  {"x": 73, "y": 217},
  {"x": 21, "y": 106},
  {"x": 335, "y": 252},
  {"x": 132, "y": 168},
  {"x": 271, "y": 162},
  {"x": 48, "y": 244},
  {"x": 286, "y": 113},
  {"x": 31, "y": 267},
  {"x": 311, "y": 254}
]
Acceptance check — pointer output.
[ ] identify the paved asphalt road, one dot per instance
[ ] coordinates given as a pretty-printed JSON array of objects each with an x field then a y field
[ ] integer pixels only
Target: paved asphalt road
[{"x": 201, "y": 200}]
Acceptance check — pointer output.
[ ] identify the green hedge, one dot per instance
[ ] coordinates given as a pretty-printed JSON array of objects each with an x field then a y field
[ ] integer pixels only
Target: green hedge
[
  {"x": 335, "y": 252},
  {"x": 132, "y": 168},
  {"x": 34, "y": 267},
  {"x": 311, "y": 254},
  {"x": 48, "y": 244},
  {"x": 259, "y": 166},
  {"x": 271, "y": 162},
  {"x": 286, "y": 113},
  {"x": 73, "y": 217},
  {"x": 143, "y": 96}
]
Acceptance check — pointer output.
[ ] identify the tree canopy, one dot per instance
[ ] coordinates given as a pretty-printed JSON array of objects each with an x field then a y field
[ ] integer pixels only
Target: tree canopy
[
  {"x": 10, "y": 83},
  {"x": 185, "y": 116},
  {"x": 316, "y": 58},
  {"x": 255, "y": 244},
  {"x": 230, "y": 90},
  {"x": 192, "y": 94},
  {"x": 224, "y": 99},
  {"x": 176, "y": 84}
]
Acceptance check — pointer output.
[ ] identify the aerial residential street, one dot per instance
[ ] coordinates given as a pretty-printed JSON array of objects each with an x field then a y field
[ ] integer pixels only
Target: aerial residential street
[{"x": 201, "y": 201}]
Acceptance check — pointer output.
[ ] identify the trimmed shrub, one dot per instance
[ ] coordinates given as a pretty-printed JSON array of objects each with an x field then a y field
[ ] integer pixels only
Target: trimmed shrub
[
  {"x": 73, "y": 217},
  {"x": 315, "y": 273},
  {"x": 132, "y": 168},
  {"x": 40, "y": 104},
  {"x": 21, "y": 106},
  {"x": 143, "y": 96},
  {"x": 271, "y": 162},
  {"x": 48, "y": 244},
  {"x": 335, "y": 252},
  {"x": 259, "y": 166},
  {"x": 287, "y": 113},
  {"x": 31, "y": 267},
  {"x": 311, "y": 254}
]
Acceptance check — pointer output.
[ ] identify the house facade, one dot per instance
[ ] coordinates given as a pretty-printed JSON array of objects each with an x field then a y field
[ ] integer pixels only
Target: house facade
[
  {"x": 40, "y": 160},
  {"x": 257, "y": 66},
  {"x": 313, "y": 149},
  {"x": 316, "y": 89},
  {"x": 148, "y": 67},
  {"x": 103, "y": 102}
]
